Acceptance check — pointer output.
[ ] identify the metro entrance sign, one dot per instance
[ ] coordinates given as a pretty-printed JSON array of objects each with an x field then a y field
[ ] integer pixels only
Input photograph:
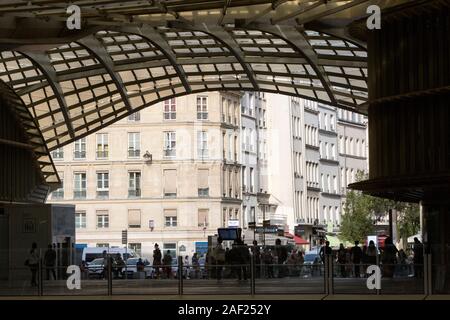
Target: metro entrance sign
[{"x": 268, "y": 229}]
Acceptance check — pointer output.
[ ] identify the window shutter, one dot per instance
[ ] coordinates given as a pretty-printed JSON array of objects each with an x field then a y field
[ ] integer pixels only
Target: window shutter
[
  {"x": 170, "y": 181},
  {"x": 134, "y": 218},
  {"x": 203, "y": 176}
]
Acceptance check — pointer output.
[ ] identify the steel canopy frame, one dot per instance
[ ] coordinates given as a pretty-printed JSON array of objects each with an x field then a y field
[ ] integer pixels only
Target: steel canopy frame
[{"x": 139, "y": 53}]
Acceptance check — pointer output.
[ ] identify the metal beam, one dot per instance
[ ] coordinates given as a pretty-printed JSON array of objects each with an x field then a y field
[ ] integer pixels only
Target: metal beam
[
  {"x": 297, "y": 40},
  {"x": 94, "y": 46},
  {"x": 155, "y": 38},
  {"x": 42, "y": 62},
  {"x": 222, "y": 36}
]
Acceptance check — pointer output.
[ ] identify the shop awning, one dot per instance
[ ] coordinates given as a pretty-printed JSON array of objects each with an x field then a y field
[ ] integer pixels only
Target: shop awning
[{"x": 300, "y": 240}]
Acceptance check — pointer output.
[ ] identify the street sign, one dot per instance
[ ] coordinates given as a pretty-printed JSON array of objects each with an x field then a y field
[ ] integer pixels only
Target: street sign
[
  {"x": 124, "y": 236},
  {"x": 233, "y": 223},
  {"x": 268, "y": 229},
  {"x": 266, "y": 223}
]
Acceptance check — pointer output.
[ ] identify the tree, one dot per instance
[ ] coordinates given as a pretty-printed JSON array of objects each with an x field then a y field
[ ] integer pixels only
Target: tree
[
  {"x": 362, "y": 211},
  {"x": 357, "y": 220}
]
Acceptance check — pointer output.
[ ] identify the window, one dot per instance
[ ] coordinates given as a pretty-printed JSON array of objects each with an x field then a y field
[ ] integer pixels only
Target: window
[
  {"x": 59, "y": 193},
  {"x": 335, "y": 186},
  {"x": 332, "y": 125},
  {"x": 172, "y": 247},
  {"x": 170, "y": 217},
  {"x": 230, "y": 111},
  {"x": 253, "y": 214},
  {"x": 328, "y": 184},
  {"x": 252, "y": 180},
  {"x": 80, "y": 220},
  {"x": 102, "y": 219},
  {"x": 326, "y": 121},
  {"x": 134, "y": 218},
  {"x": 203, "y": 217},
  {"x": 225, "y": 108},
  {"x": 80, "y": 149},
  {"x": 170, "y": 109},
  {"x": 202, "y": 144},
  {"x": 102, "y": 245},
  {"x": 134, "y": 184},
  {"x": 170, "y": 144},
  {"x": 244, "y": 178},
  {"x": 58, "y": 154},
  {"x": 230, "y": 146},
  {"x": 203, "y": 185},
  {"x": 135, "y": 116},
  {"x": 327, "y": 153},
  {"x": 102, "y": 184},
  {"x": 170, "y": 183},
  {"x": 333, "y": 151},
  {"x": 134, "y": 144},
  {"x": 202, "y": 108},
  {"x": 136, "y": 247},
  {"x": 79, "y": 189},
  {"x": 102, "y": 146},
  {"x": 322, "y": 179}
]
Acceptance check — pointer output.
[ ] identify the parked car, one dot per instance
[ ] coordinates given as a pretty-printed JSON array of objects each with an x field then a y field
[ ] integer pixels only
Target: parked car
[
  {"x": 312, "y": 264},
  {"x": 91, "y": 253},
  {"x": 95, "y": 268},
  {"x": 131, "y": 268}
]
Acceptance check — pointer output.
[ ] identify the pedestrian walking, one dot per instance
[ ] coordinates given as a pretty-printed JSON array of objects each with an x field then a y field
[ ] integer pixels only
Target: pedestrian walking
[{"x": 49, "y": 262}]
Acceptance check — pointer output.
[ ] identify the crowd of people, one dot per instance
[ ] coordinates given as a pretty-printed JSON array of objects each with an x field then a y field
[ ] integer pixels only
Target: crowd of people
[{"x": 267, "y": 261}]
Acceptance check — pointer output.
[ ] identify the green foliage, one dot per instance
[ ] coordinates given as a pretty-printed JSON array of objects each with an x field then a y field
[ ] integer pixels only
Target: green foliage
[
  {"x": 357, "y": 221},
  {"x": 361, "y": 211}
]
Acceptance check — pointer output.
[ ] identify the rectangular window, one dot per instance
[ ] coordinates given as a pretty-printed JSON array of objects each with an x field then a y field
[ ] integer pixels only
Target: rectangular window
[
  {"x": 80, "y": 149},
  {"x": 170, "y": 109},
  {"x": 80, "y": 220},
  {"x": 203, "y": 183},
  {"x": 202, "y": 144},
  {"x": 58, "y": 154},
  {"x": 102, "y": 146},
  {"x": 136, "y": 247},
  {"x": 102, "y": 219},
  {"x": 170, "y": 183},
  {"x": 59, "y": 193},
  {"x": 102, "y": 245},
  {"x": 79, "y": 188},
  {"x": 134, "y": 144},
  {"x": 170, "y": 248},
  {"x": 252, "y": 180},
  {"x": 335, "y": 186},
  {"x": 102, "y": 185},
  {"x": 203, "y": 217},
  {"x": 134, "y": 218},
  {"x": 202, "y": 108},
  {"x": 170, "y": 144},
  {"x": 170, "y": 217},
  {"x": 135, "y": 116},
  {"x": 134, "y": 184}
]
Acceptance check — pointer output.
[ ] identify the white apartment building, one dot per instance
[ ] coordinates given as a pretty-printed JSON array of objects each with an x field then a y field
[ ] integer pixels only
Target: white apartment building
[
  {"x": 314, "y": 152},
  {"x": 169, "y": 174}
]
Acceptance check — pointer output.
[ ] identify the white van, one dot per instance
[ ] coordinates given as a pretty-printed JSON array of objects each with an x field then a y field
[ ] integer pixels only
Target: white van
[{"x": 90, "y": 254}]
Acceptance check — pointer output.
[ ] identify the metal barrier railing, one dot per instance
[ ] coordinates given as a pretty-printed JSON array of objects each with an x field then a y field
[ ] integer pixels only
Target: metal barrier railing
[{"x": 328, "y": 277}]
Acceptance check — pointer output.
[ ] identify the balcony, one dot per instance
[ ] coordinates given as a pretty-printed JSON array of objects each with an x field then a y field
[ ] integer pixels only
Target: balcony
[
  {"x": 134, "y": 153},
  {"x": 102, "y": 194},
  {"x": 170, "y": 153},
  {"x": 79, "y": 194},
  {"x": 79, "y": 155},
  {"x": 202, "y": 153},
  {"x": 102, "y": 154},
  {"x": 134, "y": 193}
]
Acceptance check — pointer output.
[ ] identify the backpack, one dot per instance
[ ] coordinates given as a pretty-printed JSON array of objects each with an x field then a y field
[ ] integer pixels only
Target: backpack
[{"x": 219, "y": 253}]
